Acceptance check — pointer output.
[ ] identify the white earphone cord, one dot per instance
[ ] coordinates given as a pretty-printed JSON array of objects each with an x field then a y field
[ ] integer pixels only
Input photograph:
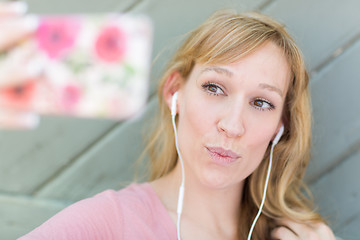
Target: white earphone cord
[
  {"x": 264, "y": 194},
  {"x": 182, "y": 186}
]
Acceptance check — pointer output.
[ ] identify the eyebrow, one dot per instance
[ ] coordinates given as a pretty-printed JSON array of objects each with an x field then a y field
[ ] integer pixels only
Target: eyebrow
[
  {"x": 218, "y": 70},
  {"x": 221, "y": 70},
  {"x": 271, "y": 88}
]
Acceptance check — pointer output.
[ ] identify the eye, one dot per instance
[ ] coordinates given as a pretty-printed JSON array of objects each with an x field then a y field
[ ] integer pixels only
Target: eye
[
  {"x": 212, "y": 88},
  {"x": 262, "y": 104}
]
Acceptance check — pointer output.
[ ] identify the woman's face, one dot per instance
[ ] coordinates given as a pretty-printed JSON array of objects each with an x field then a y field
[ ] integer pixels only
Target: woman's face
[{"x": 234, "y": 107}]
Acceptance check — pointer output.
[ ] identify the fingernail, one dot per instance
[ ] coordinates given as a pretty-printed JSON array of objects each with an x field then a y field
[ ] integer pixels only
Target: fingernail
[
  {"x": 18, "y": 7},
  {"x": 31, "y": 22}
]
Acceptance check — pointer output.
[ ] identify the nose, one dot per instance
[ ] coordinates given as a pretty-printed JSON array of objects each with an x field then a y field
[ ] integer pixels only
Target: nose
[{"x": 232, "y": 121}]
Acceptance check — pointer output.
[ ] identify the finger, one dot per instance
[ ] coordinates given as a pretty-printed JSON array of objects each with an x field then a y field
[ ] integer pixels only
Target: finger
[
  {"x": 283, "y": 233},
  {"x": 324, "y": 231},
  {"x": 32, "y": 69},
  {"x": 8, "y": 9},
  {"x": 309, "y": 231},
  {"x": 297, "y": 228},
  {"x": 21, "y": 64},
  {"x": 16, "y": 29}
]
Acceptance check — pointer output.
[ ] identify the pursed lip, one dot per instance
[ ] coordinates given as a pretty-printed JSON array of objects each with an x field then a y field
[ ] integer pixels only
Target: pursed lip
[{"x": 223, "y": 152}]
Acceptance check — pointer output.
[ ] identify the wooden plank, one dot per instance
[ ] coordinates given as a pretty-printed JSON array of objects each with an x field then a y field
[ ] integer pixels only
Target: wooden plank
[
  {"x": 338, "y": 195},
  {"x": 69, "y": 6},
  {"x": 336, "y": 128},
  {"x": 108, "y": 164},
  {"x": 319, "y": 27},
  {"x": 31, "y": 157},
  {"x": 173, "y": 19},
  {"x": 19, "y": 214},
  {"x": 350, "y": 231},
  {"x": 182, "y": 19}
]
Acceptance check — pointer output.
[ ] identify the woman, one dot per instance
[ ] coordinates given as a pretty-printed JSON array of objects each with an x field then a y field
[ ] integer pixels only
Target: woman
[
  {"x": 238, "y": 79},
  {"x": 257, "y": 81}
]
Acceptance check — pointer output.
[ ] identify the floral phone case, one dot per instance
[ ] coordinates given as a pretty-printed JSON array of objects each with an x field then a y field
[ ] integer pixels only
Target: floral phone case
[{"x": 88, "y": 66}]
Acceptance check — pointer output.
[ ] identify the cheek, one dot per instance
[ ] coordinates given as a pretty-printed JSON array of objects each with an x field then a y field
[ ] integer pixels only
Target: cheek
[
  {"x": 189, "y": 121},
  {"x": 260, "y": 128},
  {"x": 259, "y": 137},
  {"x": 196, "y": 122},
  {"x": 198, "y": 115},
  {"x": 258, "y": 141}
]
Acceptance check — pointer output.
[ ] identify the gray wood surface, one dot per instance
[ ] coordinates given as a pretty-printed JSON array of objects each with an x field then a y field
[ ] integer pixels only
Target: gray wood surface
[
  {"x": 30, "y": 158},
  {"x": 19, "y": 214},
  {"x": 67, "y": 159},
  {"x": 335, "y": 93},
  {"x": 320, "y": 27},
  {"x": 88, "y": 6},
  {"x": 110, "y": 163},
  {"x": 338, "y": 196}
]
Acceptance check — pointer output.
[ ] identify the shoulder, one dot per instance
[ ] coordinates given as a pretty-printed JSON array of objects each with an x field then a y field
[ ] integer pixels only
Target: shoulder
[
  {"x": 139, "y": 200},
  {"x": 135, "y": 197},
  {"x": 134, "y": 192},
  {"x": 129, "y": 202},
  {"x": 141, "y": 208},
  {"x": 101, "y": 216}
]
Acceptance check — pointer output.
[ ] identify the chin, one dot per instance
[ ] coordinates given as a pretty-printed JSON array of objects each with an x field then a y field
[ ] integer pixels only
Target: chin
[{"x": 216, "y": 180}]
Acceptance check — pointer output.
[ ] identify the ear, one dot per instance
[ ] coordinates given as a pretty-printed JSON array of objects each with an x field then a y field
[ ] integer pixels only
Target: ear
[
  {"x": 172, "y": 85},
  {"x": 277, "y": 129}
]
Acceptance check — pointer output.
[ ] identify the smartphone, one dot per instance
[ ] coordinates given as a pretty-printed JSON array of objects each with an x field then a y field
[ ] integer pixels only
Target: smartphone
[{"x": 86, "y": 66}]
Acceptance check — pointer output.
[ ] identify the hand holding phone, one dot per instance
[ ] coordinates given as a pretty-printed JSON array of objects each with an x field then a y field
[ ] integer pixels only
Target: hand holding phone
[{"x": 91, "y": 66}]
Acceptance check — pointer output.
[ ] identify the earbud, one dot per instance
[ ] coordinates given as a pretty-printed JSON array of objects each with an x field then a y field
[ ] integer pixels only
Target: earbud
[
  {"x": 182, "y": 186},
  {"x": 274, "y": 142},
  {"x": 278, "y": 135},
  {"x": 173, "y": 104}
]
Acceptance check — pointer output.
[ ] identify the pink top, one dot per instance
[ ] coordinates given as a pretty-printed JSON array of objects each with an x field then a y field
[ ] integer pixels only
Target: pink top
[{"x": 134, "y": 212}]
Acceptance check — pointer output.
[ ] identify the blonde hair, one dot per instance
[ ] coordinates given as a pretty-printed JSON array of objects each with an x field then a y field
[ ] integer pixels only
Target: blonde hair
[{"x": 224, "y": 38}]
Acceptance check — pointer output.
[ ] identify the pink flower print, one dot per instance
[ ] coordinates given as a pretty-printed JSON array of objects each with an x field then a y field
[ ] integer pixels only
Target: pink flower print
[
  {"x": 70, "y": 97},
  {"x": 20, "y": 96},
  {"x": 57, "y": 35},
  {"x": 110, "y": 45}
]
